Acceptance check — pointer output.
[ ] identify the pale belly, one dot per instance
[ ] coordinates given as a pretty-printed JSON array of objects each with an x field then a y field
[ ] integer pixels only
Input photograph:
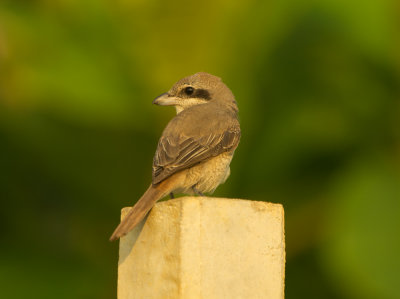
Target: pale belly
[{"x": 207, "y": 176}]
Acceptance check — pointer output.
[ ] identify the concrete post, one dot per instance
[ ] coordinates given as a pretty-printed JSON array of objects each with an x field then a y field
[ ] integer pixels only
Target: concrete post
[{"x": 201, "y": 247}]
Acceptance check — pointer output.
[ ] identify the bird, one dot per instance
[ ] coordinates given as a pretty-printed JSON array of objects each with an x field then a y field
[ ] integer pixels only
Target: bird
[{"x": 195, "y": 150}]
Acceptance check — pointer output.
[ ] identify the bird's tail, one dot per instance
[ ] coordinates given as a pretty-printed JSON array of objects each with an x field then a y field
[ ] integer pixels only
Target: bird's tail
[{"x": 141, "y": 208}]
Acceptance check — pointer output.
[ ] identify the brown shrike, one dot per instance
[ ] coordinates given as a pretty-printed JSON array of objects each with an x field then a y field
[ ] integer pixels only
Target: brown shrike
[{"x": 196, "y": 147}]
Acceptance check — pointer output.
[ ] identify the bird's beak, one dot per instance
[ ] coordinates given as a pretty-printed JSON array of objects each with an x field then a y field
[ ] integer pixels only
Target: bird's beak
[{"x": 165, "y": 100}]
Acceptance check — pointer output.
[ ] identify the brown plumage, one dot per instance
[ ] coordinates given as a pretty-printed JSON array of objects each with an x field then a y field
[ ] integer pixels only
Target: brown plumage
[{"x": 196, "y": 147}]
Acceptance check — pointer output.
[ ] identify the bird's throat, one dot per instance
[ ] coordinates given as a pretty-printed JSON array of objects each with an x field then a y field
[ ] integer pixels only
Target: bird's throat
[{"x": 179, "y": 109}]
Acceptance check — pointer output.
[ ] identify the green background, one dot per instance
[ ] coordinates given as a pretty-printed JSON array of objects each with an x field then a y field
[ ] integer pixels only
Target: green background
[{"x": 318, "y": 87}]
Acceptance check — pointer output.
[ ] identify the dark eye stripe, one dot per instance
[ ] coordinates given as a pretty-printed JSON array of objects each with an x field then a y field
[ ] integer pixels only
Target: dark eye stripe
[
  {"x": 191, "y": 92},
  {"x": 202, "y": 93}
]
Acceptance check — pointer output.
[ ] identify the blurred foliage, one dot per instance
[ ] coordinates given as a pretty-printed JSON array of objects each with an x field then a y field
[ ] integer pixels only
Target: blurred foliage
[{"x": 318, "y": 86}]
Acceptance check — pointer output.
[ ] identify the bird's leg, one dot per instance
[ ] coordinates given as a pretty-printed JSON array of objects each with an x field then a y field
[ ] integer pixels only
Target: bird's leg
[
  {"x": 197, "y": 191},
  {"x": 171, "y": 195}
]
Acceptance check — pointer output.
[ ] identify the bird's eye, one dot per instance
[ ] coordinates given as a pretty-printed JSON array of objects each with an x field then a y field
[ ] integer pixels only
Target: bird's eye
[{"x": 189, "y": 90}]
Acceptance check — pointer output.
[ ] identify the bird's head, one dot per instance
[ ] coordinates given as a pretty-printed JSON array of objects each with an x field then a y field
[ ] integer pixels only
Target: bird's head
[{"x": 200, "y": 88}]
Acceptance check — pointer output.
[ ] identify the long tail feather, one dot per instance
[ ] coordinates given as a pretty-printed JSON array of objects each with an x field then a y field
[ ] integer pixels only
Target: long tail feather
[{"x": 140, "y": 209}]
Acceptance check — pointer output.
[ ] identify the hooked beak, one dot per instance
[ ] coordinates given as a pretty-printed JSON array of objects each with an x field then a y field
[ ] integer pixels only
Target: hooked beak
[{"x": 165, "y": 100}]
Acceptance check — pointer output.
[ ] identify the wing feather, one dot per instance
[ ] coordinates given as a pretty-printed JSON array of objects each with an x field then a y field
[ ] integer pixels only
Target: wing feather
[{"x": 181, "y": 152}]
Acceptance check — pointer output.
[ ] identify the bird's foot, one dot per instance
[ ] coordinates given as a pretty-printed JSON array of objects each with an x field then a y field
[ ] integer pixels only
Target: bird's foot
[
  {"x": 197, "y": 191},
  {"x": 171, "y": 195}
]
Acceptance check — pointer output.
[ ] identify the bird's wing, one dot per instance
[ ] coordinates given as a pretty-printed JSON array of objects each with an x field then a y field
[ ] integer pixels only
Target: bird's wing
[{"x": 177, "y": 152}]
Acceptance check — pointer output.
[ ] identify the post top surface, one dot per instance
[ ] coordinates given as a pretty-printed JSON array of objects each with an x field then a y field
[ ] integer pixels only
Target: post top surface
[{"x": 257, "y": 205}]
